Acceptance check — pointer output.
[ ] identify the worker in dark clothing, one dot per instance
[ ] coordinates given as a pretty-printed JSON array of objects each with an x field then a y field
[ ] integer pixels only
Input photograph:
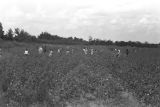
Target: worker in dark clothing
[{"x": 127, "y": 52}]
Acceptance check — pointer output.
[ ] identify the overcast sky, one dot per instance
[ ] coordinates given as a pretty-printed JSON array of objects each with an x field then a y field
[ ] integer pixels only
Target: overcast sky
[{"x": 137, "y": 20}]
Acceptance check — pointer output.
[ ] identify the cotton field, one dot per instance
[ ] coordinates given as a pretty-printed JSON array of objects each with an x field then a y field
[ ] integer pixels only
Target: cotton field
[{"x": 78, "y": 76}]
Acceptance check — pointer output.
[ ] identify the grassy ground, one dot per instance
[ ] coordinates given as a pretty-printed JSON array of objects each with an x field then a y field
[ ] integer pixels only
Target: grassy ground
[{"x": 78, "y": 80}]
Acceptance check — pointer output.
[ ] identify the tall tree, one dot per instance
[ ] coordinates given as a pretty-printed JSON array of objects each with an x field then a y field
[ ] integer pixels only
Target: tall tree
[
  {"x": 17, "y": 31},
  {"x": 45, "y": 35},
  {"x": 1, "y": 31},
  {"x": 22, "y": 35},
  {"x": 10, "y": 34}
]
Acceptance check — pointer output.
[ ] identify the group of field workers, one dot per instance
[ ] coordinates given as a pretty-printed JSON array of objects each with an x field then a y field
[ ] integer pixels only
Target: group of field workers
[
  {"x": 41, "y": 50},
  {"x": 117, "y": 52},
  {"x": 67, "y": 50},
  {"x": 86, "y": 51}
]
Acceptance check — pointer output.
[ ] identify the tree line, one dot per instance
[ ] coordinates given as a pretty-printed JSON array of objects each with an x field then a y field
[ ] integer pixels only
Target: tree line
[
  {"x": 21, "y": 35},
  {"x": 123, "y": 43}
]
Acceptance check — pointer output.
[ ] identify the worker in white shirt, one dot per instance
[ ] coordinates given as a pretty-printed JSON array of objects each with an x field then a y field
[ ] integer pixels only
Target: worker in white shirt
[
  {"x": 50, "y": 53},
  {"x": 26, "y": 52}
]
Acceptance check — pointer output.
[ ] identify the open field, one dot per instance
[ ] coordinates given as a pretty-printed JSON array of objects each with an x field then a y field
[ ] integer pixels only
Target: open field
[{"x": 78, "y": 80}]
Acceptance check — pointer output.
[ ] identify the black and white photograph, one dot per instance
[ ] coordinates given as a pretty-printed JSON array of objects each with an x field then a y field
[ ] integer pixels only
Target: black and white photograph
[{"x": 79, "y": 53}]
